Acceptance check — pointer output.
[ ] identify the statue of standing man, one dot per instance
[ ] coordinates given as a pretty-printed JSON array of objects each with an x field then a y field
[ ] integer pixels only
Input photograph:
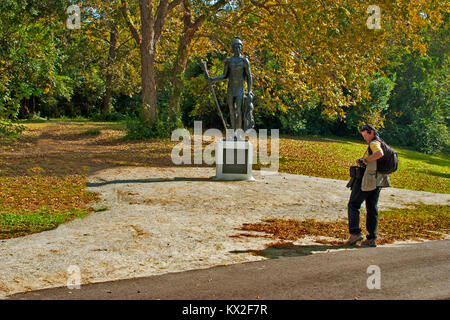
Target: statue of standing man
[{"x": 237, "y": 71}]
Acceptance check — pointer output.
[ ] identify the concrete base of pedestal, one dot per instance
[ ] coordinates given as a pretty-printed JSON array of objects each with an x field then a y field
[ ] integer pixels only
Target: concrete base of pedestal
[{"x": 234, "y": 160}]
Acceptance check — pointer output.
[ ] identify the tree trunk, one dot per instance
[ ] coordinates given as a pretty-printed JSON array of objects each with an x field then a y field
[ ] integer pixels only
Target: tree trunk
[
  {"x": 148, "y": 86},
  {"x": 151, "y": 28},
  {"x": 148, "y": 62},
  {"x": 106, "y": 106},
  {"x": 177, "y": 82}
]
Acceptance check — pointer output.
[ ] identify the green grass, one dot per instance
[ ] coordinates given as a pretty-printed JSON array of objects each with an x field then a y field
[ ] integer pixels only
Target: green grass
[
  {"x": 91, "y": 132},
  {"x": 23, "y": 222},
  {"x": 331, "y": 158},
  {"x": 43, "y": 174},
  {"x": 44, "y": 120}
]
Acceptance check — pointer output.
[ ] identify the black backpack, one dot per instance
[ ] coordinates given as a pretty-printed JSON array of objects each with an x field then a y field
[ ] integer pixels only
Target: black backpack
[{"x": 389, "y": 162}]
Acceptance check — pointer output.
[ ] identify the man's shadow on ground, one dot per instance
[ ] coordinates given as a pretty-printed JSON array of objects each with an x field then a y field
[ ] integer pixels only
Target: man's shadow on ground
[{"x": 276, "y": 251}]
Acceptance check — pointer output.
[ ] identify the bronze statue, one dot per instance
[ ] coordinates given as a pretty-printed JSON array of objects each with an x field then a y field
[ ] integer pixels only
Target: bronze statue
[{"x": 237, "y": 71}]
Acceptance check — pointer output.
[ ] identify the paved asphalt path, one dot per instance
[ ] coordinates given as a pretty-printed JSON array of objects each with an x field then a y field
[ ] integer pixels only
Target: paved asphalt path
[{"x": 407, "y": 271}]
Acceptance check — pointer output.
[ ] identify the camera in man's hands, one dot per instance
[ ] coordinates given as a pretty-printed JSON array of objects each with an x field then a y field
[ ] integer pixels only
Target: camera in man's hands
[{"x": 361, "y": 162}]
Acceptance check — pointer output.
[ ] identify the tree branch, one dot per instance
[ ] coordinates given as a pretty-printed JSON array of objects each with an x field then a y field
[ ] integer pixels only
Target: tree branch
[
  {"x": 161, "y": 14},
  {"x": 129, "y": 22},
  {"x": 173, "y": 4},
  {"x": 213, "y": 37}
]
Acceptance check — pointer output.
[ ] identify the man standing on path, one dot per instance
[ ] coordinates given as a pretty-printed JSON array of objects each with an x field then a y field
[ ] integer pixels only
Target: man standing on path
[{"x": 367, "y": 189}]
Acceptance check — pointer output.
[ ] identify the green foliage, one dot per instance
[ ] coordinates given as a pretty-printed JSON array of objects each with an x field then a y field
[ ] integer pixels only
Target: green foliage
[
  {"x": 46, "y": 68},
  {"x": 128, "y": 105},
  {"x": 110, "y": 115},
  {"x": 10, "y": 130},
  {"x": 162, "y": 127},
  {"x": 370, "y": 110},
  {"x": 197, "y": 100},
  {"x": 420, "y": 103},
  {"x": 9, "y": 108},
  {"x": 31, "y": 57},
  {"x": 380, "y": 90},
  {"x": 293, "y": 123},
  {"x": 302, "y": 84},
  {"x": 430, "y": 135}
]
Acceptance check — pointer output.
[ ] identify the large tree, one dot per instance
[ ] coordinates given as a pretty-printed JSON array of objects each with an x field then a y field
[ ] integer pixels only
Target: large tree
[
  {"x": 153, "y": 15},
  {"x": 326, "y": 49},
  {"x": 194, "y": 14},
  {"x": 32, "y": 55},
  {"x": 104, "y": 30}
]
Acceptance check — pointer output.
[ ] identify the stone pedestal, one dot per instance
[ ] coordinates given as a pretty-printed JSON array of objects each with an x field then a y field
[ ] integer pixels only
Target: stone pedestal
[{"x": 234, "y": 160}]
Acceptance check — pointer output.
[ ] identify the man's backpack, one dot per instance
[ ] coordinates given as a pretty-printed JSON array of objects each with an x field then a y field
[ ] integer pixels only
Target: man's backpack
[{"x": 389, "y": 162}]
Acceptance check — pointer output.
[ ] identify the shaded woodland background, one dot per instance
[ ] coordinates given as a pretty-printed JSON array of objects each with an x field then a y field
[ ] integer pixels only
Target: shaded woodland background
[{"x": 317, "y": 67}]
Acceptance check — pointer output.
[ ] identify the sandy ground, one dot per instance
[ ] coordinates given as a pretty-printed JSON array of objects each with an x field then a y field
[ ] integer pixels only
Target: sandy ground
[{"x": 162, "y": 220}]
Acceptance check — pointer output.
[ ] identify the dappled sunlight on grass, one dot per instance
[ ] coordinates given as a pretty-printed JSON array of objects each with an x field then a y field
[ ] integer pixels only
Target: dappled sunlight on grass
[
  {"x": 329, "y": 158},
  {"x": 47, "y": 168}
]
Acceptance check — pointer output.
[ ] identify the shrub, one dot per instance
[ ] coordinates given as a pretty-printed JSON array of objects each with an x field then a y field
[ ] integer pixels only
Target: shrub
[
  {"x": 293, "y": 123},
  {"x": 430, "y": 137},
  {"x": 162, "y": 127},
  {"x": 110, "y": 115},
  {"x": 426, "y": 135},
  {"x": 10, "y": 130}
]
